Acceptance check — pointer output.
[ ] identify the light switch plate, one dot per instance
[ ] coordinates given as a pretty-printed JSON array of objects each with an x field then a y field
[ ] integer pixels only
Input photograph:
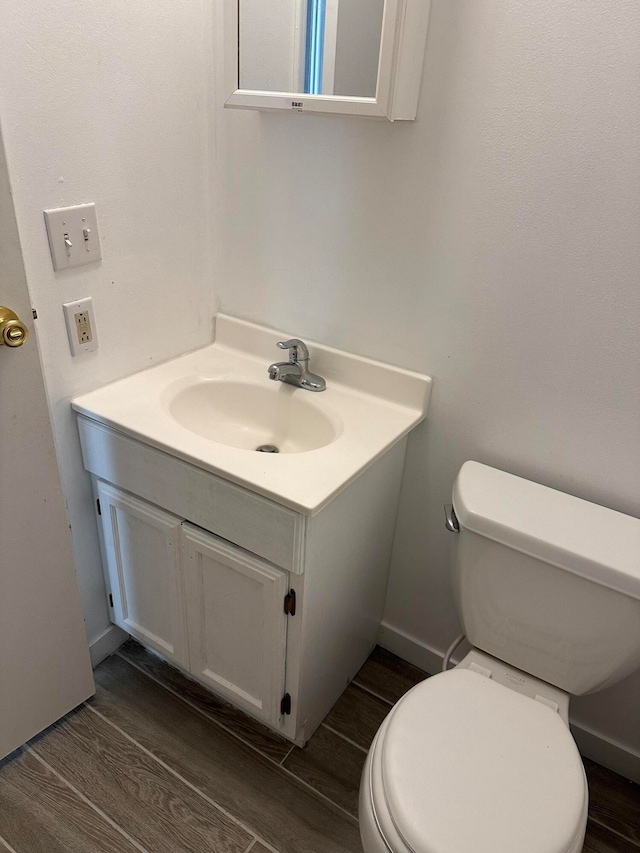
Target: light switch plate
[{"x": 73, "y": 236}]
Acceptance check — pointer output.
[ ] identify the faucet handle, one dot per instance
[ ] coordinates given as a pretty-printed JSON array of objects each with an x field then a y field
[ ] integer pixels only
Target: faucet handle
[{"x": 297, "y": 350}]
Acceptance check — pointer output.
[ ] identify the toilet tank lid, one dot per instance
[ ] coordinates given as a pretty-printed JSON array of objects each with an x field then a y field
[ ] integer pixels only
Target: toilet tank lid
[{"x": 582, "y": 537}]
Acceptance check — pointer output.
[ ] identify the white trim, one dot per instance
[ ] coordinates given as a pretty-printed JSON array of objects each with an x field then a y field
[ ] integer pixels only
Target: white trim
[
  {"x": 106, "y": 644},
  {"x": 607, "y": 752},
  {"x": 247, "y": 99},
  {"x": 594, "y": 745},
  {"x": 412, "y": 37},
  {"x": 412, "y": 649}
]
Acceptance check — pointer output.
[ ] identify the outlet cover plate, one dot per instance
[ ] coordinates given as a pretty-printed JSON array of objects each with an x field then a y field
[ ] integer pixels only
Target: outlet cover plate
[
  {"x": 76, "y": 330},
  {"x": 77, "y": 226}
]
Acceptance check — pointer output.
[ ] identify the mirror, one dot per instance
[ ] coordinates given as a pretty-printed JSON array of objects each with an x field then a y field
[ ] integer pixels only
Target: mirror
[
  {"x": 348, "y": 57},
  {"x": 315, "y": 47}
]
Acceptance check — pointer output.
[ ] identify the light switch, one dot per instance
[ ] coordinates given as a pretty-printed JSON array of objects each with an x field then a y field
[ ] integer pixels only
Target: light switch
[{"x": 73, "y": 235}]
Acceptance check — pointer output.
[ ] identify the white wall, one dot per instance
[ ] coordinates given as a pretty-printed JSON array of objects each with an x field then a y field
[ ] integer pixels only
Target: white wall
[
  {"x": 493, "y": 243},
  {"x": 109, "y": 102}
]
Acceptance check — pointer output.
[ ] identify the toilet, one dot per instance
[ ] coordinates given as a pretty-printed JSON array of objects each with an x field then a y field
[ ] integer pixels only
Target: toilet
[{"x": 480, "y": 759}]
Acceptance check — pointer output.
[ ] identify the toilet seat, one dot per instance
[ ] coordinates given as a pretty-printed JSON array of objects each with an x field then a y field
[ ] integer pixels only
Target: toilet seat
[{"x": 463, "y": 763}]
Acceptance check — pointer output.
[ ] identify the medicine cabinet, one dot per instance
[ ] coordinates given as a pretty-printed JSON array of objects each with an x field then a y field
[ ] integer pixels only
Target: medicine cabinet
[{"x": 340, "y": 57}]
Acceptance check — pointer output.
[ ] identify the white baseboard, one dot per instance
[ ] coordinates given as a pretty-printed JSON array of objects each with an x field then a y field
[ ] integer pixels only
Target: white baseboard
[
  {"x": 106, "y": 644},
  {"x": 594, "y": 745},
  {"x": 410, "y": 649},
  {"x": 607, "y": 752}
]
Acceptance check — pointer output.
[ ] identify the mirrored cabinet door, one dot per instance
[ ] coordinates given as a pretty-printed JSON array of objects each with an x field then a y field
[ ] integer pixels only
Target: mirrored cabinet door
[
  {"x": 349, "y": 57},
  {"x": 319, "y": 47}
]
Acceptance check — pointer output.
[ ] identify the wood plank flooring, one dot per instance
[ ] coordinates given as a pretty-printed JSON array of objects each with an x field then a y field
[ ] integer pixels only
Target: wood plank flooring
[{"x": 156, "y": 764}]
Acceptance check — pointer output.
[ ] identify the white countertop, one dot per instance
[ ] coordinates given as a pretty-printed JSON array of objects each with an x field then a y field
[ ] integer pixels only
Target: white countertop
[{"x": 371, "y": 406}]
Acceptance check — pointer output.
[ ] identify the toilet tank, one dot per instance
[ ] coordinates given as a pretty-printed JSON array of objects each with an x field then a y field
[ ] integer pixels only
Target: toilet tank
[{"x": 546, "y": 582}]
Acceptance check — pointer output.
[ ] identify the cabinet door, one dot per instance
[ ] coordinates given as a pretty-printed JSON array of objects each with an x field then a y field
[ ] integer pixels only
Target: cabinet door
[
  {"x": 142, "y": 551},
  {"x": 237, "y": 625}
]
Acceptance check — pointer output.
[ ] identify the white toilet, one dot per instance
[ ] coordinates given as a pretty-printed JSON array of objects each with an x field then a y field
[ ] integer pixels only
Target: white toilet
[{"x": 479, "y": 759}]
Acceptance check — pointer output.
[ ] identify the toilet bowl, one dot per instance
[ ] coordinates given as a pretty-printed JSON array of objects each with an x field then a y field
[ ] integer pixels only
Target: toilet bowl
[
  {"x": 465, "y": 763},
  {"x": 480, "y": 759}
]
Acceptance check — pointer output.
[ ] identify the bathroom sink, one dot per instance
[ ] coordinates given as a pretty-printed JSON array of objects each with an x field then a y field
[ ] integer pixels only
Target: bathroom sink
[
  {"x": 216, "y": 406},
  {"x": 251, "y": 416}
]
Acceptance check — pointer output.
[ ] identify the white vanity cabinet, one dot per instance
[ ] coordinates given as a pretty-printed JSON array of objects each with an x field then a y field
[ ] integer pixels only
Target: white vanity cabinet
[
  {"x": 141, "y": 554},
  {"x": 204, "y": 604},
  {"x": 271, "y": 609},
  {"x": 263, "y": 576},
  {"x": 237, "y": 622}
]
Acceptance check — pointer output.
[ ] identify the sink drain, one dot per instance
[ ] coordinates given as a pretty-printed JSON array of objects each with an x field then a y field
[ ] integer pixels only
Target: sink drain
[{"x": 267, "y": 448}]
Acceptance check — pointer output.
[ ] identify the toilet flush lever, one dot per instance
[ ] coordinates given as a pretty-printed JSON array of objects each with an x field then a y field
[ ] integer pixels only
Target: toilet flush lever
[{"x": 451, "y": 521}]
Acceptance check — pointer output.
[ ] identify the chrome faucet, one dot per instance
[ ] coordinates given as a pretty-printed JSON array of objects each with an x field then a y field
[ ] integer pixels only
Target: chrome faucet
[{"x": 296, "y": 370}]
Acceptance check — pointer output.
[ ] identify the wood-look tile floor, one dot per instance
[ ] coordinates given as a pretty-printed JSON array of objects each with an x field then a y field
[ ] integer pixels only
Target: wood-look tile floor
[{"x": 155, "y": 763}]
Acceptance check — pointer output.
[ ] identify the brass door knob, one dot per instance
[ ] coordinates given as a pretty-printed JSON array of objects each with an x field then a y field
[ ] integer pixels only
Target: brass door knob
[{"x": 13, "y": 331}]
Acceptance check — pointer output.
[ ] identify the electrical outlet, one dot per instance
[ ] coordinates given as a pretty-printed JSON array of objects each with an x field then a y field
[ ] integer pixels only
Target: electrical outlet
[{"x": 81, "y": 326}]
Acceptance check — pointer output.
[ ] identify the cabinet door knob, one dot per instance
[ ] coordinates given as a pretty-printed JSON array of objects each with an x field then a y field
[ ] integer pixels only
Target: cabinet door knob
[{"x": 13, "y": 331}]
